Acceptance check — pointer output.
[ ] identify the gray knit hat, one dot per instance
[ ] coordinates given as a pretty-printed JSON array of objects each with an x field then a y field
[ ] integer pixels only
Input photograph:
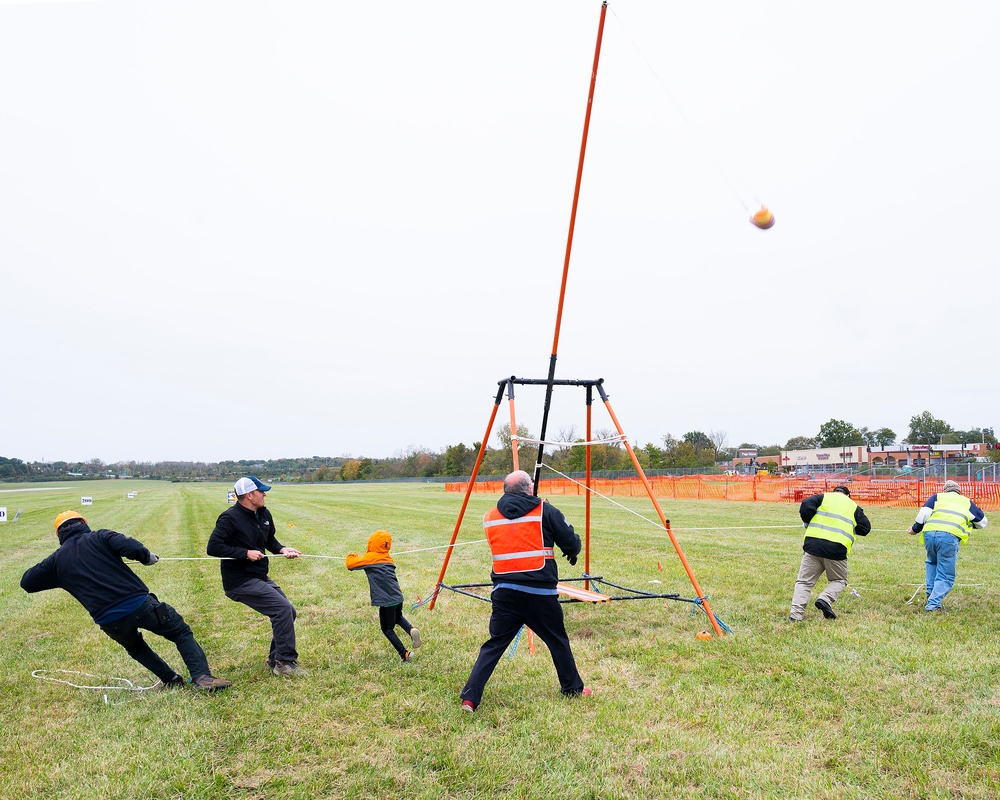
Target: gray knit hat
[{"x": 951, "y": 486}]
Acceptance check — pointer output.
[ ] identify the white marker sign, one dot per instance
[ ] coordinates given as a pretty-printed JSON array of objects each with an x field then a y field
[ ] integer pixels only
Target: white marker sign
[
  {"x": 86, "y": 501},
  {"x": 3, "y": 513}
]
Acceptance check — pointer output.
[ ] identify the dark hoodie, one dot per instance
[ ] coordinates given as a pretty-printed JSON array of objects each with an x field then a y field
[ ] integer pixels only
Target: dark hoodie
[
  {"x": 88, "y": 565},
  {"x": 556, "y": 531}
]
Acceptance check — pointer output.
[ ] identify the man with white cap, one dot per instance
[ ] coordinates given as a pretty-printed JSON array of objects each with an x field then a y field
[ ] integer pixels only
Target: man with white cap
[
  {"x": 242, "y": 533},
  {"x": 944, "y": 523}
]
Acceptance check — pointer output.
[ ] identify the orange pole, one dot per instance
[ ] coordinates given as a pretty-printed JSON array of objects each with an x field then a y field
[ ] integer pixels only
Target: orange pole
[
  {"x": 569, "y": 246},
  {"x": 513, "y": 425},
  {"x": 663, "y": 519},
  {"x": 579, "y": 176},
  {"x": 465, "y": 502}
]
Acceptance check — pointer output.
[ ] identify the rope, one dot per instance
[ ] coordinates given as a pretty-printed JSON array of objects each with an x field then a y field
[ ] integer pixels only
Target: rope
[
  {"x": 124, "y": 683},
  {"x": 656, "y": 522},
  {"x": 610, "y": 440},
  {"x": 309, "y": 555},
  {"x": 715, "y": 162},
  {"x": 513, "y": 646}
]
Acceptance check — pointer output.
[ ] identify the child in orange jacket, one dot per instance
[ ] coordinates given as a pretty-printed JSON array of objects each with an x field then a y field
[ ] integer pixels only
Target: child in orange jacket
[{"x": 384, "y": 588}]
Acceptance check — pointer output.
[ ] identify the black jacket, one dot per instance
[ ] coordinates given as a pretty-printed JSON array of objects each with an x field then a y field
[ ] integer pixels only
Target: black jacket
[
  {"x": 555, "y": 532},
  {"x": 824, "y": 548},
  {"x": 238, "y": 530},
  {"x": 88, "y": 565}
]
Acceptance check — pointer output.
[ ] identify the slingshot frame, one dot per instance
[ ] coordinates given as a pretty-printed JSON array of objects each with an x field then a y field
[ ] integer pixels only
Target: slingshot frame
[{"x": 507, "y": 385}]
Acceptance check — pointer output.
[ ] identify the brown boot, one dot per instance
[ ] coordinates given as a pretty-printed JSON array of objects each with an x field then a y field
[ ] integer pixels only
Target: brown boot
[{"x": 209, "y": 683}]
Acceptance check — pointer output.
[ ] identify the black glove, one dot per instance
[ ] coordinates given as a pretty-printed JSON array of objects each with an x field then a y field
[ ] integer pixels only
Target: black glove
[
  {"x": 571, "y": 559},
  {"x": 153, "y": 558}
]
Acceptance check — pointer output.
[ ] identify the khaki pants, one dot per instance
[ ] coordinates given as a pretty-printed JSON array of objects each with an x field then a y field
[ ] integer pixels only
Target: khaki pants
[{"x": 809, "y": 572}]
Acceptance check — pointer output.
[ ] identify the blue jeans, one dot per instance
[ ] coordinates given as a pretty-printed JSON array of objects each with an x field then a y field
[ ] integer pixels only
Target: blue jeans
[
  {"x": 163, "y": 620},
  {"x": 942, "y": 553}
]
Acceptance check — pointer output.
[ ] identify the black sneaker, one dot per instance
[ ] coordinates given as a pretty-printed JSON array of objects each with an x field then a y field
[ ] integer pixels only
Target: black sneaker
[
  {"x": 824, "y": 606},
  {"x": 175, "y": 681}
]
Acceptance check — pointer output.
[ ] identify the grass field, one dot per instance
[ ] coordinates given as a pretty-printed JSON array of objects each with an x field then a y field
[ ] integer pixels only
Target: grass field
[{"x": 886, "y": 701}]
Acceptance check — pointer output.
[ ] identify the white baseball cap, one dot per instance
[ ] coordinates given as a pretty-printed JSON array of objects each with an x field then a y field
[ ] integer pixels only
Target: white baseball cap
[{"x": 246, "y": 485}]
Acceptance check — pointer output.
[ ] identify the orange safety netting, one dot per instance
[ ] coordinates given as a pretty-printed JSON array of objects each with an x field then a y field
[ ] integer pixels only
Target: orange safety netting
[{"x": 904, "y": 493}]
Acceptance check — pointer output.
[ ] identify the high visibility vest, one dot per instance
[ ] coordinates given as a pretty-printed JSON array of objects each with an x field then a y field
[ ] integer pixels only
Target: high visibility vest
[
  {"x": 517, "y": 544},
  {"x": 834, "y": 520},
  {"x": 952, "y": 513}
]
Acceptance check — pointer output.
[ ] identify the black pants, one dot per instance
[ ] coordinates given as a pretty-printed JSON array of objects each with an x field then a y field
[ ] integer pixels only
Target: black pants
[
  {"x": 388, "y": 618},
  {"x": 163, "y": 620},
  {"x": 543, "y": 614}
]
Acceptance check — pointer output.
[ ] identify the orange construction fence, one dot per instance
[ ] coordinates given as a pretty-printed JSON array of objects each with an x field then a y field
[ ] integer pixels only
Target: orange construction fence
[{"x": 903, "y": 493}]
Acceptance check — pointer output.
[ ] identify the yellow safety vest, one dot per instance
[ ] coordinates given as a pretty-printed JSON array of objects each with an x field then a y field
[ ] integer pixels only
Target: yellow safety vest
[
  {"x": 517, "y": 544},
  {"x": 952, "y": 513},
  {"x": 834, "y": 520}
]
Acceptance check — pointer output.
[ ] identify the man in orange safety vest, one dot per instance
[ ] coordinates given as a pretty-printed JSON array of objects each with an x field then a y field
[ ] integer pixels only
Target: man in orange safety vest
[{"x": 523, "y": 531}]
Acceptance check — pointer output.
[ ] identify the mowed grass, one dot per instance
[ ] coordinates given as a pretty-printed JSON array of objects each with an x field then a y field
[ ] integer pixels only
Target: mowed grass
[{"x": 884, "y": 702}]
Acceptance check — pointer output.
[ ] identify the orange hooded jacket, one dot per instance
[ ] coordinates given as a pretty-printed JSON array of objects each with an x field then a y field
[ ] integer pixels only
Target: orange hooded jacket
[{"x": 379, "y": 569}]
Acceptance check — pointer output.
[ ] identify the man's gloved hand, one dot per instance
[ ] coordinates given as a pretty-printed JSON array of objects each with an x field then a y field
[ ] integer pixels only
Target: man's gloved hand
[
  {"x": 153, "y": 558},
  {"x": 571, "y": 560}
]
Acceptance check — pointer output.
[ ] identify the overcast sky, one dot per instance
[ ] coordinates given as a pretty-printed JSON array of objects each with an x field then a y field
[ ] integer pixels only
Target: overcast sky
[{"x": 276, "y": 229}]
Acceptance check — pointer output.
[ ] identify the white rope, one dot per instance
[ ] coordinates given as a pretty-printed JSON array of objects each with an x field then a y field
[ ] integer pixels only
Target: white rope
[
  {"x": 123, "y": 683},
  {"x": 603, "y": 497},
  {"x": 307, "y": 555},
  {"x": 658, "y": 524},
  {"x": 611, "y": 440}
]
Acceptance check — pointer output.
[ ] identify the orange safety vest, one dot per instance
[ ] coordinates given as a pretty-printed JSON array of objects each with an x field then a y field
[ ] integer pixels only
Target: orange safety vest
[{"x": 517, "y": 544}]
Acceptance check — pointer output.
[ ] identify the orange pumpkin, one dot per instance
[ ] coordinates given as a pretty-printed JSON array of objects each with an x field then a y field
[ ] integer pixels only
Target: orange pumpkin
[{"x": 763, "y": 219}]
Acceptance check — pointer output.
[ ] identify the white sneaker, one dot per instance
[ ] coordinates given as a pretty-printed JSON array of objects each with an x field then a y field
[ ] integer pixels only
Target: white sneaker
[{"x": 415, "y": 637}]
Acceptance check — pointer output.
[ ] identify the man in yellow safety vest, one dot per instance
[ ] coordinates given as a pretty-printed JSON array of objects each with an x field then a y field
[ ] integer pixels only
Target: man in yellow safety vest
[
  {"x": 832, "y": 521},
  {"x": 944, "y": 522}
]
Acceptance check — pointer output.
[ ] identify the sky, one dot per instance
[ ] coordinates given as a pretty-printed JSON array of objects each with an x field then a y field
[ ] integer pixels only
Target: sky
[{"x": 242, "y": 230}]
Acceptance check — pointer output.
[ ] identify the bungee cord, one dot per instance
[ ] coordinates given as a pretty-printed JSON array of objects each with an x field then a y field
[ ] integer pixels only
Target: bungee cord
[{"x": 684, "y": 118}]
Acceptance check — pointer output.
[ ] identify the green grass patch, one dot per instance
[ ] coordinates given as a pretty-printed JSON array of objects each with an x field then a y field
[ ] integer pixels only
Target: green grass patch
[{"x": 884, "y": 702}]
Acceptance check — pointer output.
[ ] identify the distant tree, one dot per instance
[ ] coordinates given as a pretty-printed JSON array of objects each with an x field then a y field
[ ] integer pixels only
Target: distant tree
[
  {"x": 801, "y": 443},
  {"x": 925, "y": 428},
  {"x": 720, "y": 441},
  {"x": 884, "y": 437},
  {"x": 698, "y": 440},
  {"x": 770, "y": 450},
  {"x": 836, "y": 432}
]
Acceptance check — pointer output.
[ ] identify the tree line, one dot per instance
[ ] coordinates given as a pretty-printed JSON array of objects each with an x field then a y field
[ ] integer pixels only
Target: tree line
[{"x": 695, "y": 450}]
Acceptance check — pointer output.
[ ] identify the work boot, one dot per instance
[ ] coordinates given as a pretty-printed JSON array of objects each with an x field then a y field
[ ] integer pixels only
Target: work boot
[
  {"x": 825, "y": 607},
  {"x": 209, "y": 683},
  {"x": 288, "y": 669}
]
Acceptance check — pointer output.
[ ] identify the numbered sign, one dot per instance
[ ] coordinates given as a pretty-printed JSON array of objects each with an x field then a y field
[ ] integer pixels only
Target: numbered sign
[
  {"x": 131, "y": 495},
  {"x": 86, "y": 501},
  {"x": 3, "y": 513}
]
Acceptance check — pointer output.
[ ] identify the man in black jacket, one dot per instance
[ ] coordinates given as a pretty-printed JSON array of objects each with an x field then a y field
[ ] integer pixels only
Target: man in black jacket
[
  {"x": 522, "y": 532},
  {"x": 242, "y": 533},
  {"x": 88, "y": 565}
]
